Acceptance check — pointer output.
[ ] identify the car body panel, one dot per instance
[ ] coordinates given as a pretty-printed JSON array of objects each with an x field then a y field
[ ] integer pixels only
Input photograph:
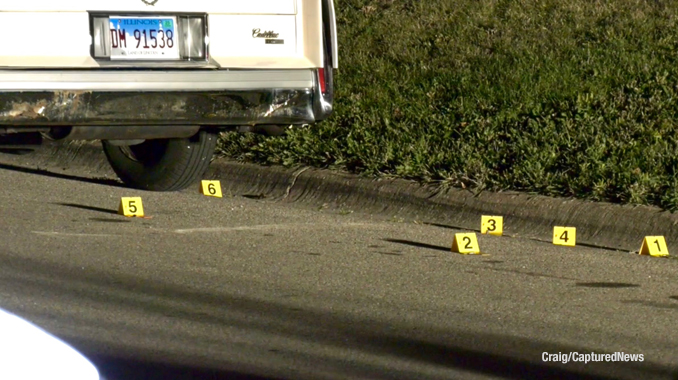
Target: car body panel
[
  {"x": 232, "y": 26},
  {"x": 50, "y": 78},
  {"x": 209, "y": 6}
]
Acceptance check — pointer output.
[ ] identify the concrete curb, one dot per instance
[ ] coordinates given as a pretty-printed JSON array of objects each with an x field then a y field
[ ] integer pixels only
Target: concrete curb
[{"x": 531, "y": 216}]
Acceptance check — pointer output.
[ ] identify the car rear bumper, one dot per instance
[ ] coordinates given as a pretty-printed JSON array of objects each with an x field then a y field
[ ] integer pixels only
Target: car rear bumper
[{"x": 157, "y": 97}]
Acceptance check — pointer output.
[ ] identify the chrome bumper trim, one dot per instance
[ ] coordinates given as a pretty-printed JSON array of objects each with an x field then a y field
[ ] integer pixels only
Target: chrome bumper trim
[{"x": 153, "y": 80}]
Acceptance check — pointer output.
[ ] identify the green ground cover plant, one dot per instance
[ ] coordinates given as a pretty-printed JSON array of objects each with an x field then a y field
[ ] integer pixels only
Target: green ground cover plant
[{"x": 557, "y": 97}]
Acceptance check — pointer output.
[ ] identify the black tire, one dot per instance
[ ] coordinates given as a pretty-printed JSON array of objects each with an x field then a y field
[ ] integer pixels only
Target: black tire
[{"x": 163, "y": 164}]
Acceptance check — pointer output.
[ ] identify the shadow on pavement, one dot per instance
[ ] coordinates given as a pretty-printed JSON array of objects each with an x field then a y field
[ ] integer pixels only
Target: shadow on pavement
[
  {"x": 445, "y": 226},
  {"x": 47, "y": 173},
  {"x": 16, "y": 152},
  {"x": 609, "y": 285},
  {"x": 505, "y": 366},
  {"x": 419, "y": 245},
  {"x": 112, "y": 368},
  {"x": 217, "y": 312},
  {"x": 89, "y": 208}
]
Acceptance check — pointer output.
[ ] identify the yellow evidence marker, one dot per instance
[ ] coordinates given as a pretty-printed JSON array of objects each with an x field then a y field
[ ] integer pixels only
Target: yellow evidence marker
[
  {"x": 565, "y": 236},
  {"x": 466, "y": 244},
  {"x": 654, "y": 246},
  {"x": 211, "y": 188},
  {"x": 131, "y": 206},
  {"x": 493, "y": 225}
]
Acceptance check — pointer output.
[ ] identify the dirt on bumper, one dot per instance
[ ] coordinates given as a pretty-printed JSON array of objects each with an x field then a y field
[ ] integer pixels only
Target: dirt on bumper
[{"x": 251, "y": 107}]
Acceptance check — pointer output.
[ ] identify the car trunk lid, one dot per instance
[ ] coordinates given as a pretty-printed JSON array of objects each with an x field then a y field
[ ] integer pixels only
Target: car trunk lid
[{"x": 201, "y": 6}]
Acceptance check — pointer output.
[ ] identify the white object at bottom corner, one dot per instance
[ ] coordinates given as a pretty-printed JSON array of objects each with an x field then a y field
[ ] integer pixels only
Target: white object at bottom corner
[{"x": 28, "y": 352}]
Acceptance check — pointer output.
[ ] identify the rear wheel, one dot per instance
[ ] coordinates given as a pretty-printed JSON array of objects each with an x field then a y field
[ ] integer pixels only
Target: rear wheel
[{"x": 162, "y": 164}]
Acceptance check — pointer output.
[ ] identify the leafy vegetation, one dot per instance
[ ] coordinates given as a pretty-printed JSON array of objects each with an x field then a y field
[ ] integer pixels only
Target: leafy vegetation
[{"x": 558, "y": 97}]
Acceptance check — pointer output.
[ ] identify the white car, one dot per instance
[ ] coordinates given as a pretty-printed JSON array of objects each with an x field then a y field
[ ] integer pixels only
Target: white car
[
  {"x": 156, "y": 80},
  {"x": 28, "y": 352}
]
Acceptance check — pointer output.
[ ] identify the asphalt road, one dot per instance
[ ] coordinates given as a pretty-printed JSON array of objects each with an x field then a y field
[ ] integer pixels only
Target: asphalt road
[{"x": 224, "y": 288}]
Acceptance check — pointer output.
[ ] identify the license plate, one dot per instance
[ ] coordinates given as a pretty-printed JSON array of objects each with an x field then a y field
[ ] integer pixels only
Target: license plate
[{"x": 153, "y": 38}]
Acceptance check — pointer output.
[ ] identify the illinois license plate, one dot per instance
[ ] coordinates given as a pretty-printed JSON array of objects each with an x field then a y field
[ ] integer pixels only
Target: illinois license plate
[{"x": 153, "y": 38}]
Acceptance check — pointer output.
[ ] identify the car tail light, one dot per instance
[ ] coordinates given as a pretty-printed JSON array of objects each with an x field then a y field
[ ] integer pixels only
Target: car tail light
[{"x": 323, "y": 79}]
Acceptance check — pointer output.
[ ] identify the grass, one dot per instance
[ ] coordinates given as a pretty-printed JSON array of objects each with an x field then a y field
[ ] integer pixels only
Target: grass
[{"x": 557, "y": 97}]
